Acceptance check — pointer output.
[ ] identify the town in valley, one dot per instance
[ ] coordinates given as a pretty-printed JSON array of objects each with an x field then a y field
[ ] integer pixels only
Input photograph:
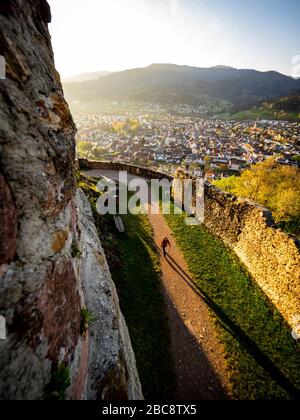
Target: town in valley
[{"x": 212, "y": 148}]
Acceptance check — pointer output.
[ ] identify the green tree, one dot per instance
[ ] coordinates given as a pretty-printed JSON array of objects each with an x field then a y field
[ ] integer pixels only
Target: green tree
[
  {"x": 84, "y": 149},
  {"x": 89, "y": 150},
  {"x": 296, "y": 158},
  {"x": 227, "y": 184},
  {"x": 275, "y": 186}
]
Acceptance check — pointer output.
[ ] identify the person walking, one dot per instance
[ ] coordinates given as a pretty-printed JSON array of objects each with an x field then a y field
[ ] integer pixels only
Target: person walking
[{"x": 164, "y": 244}]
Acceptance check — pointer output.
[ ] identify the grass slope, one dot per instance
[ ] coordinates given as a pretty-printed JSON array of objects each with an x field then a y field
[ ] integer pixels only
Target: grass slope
[{"x": 263, "y": 359}]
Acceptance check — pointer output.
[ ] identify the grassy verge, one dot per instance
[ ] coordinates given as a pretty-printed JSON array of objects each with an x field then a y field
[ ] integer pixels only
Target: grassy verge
[
  {"x": 135, "y": 269},
  {"x": 263, "y": 359}
]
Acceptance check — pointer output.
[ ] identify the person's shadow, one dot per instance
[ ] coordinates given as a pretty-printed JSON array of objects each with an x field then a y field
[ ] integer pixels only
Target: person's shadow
[{"x": 236, "y": 331}]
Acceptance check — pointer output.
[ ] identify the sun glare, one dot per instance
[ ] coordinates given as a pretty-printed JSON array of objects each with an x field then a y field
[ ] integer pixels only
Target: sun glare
[{"x": 120, "y": 34}]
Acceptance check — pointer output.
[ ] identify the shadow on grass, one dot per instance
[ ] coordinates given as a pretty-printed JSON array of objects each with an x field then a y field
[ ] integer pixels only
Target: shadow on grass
[{"x": 238, "y": 333}]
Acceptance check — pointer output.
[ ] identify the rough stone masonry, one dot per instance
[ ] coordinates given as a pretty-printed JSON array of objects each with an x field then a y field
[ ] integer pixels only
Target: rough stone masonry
[
  {"x": 43, "y": 287},
  {"x": 271, "y": 256}
]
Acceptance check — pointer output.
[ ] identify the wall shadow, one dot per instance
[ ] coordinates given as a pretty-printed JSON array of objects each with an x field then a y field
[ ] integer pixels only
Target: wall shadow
[
  {"x": 252, "y": 348},
  {"x": 197, "y": 378}
]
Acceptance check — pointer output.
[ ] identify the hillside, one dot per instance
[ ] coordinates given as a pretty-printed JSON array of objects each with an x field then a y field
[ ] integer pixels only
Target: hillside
[
  {"x": 283, "y": 108},
  {"x": 167, "y": 83},
  {"x": 85, "y": 77}
]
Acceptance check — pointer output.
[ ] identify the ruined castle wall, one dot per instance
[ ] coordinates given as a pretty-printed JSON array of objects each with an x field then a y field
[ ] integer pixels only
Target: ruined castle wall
[
  {"x": 271, "y": 256},
  {"x": 139, "y": 171},
  {"x": 112, "y": 369},
  {"x": 41, "y": 286}
]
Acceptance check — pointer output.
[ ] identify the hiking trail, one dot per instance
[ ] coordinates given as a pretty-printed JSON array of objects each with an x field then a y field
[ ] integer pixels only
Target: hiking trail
[{"x": 197, "y": 353}]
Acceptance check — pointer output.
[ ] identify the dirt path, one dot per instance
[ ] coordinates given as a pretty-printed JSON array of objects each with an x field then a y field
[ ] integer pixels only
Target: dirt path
[
  {"x": 198, "y": 357},
  {"x": 197, "y": 353}
]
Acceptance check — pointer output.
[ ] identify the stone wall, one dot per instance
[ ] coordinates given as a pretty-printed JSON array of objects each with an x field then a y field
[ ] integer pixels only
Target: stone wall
[
  {"x": 118, "y": 166},
  {"x": 271, "y": 256},
  {"x": 112, "y": 369},
  {"x": 42, "y": 290}
]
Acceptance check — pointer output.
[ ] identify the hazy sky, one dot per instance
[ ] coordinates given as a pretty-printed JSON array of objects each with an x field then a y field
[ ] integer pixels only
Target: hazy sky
[{"x": 92, "y": 35}]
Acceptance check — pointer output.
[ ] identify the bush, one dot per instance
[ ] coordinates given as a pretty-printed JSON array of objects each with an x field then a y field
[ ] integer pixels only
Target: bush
[
  {"x": 75, "y": 252},
  {"x": 87, "y": 319},
  {"x": 60, "y": 382}
]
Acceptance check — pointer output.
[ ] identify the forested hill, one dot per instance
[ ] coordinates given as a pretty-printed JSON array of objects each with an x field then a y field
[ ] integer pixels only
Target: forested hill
[{"x": 167, "y": 83}]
